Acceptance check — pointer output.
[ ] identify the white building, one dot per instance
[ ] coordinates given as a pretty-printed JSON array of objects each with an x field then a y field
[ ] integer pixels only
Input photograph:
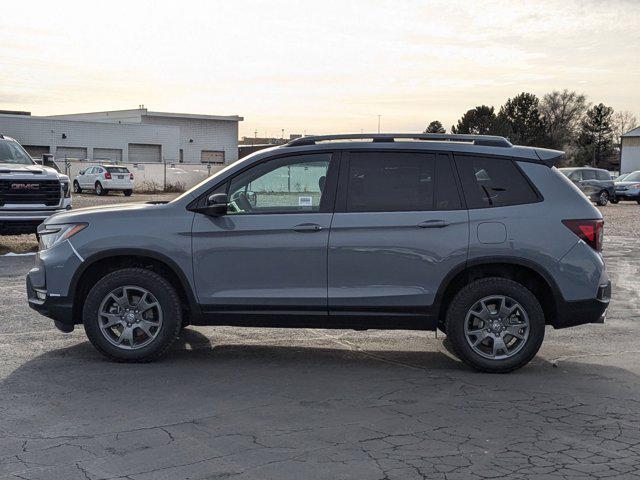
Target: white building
[
  {"x": 630, "y": 151},
  {"x": 128, "y": 135}
]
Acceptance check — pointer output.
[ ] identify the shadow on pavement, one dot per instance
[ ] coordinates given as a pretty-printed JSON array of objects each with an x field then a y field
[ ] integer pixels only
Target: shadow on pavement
[{"x": 269, "y": 411}]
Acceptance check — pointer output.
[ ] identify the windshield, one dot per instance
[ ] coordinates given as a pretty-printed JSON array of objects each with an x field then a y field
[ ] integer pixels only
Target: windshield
[
  {"x": 632, "y": 177},
  {"x": 12, "y": 152}
]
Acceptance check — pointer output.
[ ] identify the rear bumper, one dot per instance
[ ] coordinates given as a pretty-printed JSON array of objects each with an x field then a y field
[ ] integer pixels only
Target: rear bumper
[{"x": 570, "y": 314}]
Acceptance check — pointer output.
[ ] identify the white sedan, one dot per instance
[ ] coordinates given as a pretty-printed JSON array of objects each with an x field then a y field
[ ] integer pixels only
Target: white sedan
[{"x": 103, "y": 179}]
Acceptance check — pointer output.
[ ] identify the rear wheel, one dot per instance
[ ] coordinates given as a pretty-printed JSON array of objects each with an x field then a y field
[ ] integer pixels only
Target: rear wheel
[
  {"x": 132, "y": 315},
  {"x": 76, "y": 187},
  {"x": 495, "y": 325},
  {"x": 127, "y": 193},
  {"x": 100, "y": 190},
  {"x": 603, "y": 198},
  {"x": 614, "y": 200}
]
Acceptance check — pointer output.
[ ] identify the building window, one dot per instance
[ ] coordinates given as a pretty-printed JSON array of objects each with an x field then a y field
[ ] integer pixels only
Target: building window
[{"x": 212, "y": 156}]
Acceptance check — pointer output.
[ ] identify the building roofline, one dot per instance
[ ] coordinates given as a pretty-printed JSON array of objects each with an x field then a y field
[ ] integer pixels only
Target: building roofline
[
  {"x": 147, "y": 113},
  {"x": 634, "y": 132}
]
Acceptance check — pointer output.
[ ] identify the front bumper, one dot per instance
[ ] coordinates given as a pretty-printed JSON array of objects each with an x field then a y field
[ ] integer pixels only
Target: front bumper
[
  {"x": 628, "y": 194},
  {"x": 48, "y": 284},
  {"x": 570, "y": 314},
  {"x": 21, "y": 221},
  {"x": 60, "y": 309}
]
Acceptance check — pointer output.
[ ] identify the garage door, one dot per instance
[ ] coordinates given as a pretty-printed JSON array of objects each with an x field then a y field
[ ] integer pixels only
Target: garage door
[
  {"x": 71, "y": 152},
  {"x": 113, "y": 155},
  {"x": 140, "y": 152},
  {"x": 36, "y": 151},
  {"x": 212, "y": 156}
]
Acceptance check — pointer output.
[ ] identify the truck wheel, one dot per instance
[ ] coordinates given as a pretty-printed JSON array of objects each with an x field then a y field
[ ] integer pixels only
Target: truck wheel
[
  {"x": 127, "y": 193},
  {"x": 495, "y": 325},
  {"x": 132, "y": 315},
  {"x": 614, "y": 200},
  {"x": 99, "y": 190},
  {"x": 76, "y": 187},
  {"x": 603, "y": 198}
]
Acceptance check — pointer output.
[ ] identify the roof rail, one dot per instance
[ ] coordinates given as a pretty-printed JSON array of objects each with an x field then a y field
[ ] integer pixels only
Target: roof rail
[{"x": 485, "y": 140}]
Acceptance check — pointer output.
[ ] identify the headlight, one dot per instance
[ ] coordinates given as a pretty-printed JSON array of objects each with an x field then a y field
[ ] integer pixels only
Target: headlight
[
  {"x": 52, "y": 235},
  {"x": 66, "y": 191}
]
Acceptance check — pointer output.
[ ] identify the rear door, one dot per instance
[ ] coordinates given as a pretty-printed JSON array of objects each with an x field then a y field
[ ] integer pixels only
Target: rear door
[{"x": 399, "y": 228}]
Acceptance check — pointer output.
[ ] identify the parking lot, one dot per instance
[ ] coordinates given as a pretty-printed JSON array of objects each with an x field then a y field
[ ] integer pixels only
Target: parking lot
[{"x": 270, "y": 404}]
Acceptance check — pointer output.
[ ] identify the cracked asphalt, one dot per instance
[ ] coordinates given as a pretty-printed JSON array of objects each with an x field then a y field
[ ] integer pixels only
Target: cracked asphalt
[{"x": 320, "y": 404}]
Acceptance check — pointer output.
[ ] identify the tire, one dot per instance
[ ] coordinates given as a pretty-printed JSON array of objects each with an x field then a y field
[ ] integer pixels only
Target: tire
[
  {"x": 142, "y": 347},
  {"x": 638, "y": 201},
  {"x": 127, "y": 193},
  {"x": 101, "y": 191},
  {"x": 603, "y": 198},
  {"x": 460, "y": 312},
  {"x": 76, "y": 187},
  {"x": 614, "y": 200}
]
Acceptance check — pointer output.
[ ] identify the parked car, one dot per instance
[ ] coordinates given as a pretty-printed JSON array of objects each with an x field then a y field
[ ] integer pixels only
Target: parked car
[
  {"x": 103, "y": 179},
  {"x": 469, "y": 234},
  {"x": 29, "y": 192},
  {"x": 628, "y": 188},
  {"x": 595, "y": 183}
]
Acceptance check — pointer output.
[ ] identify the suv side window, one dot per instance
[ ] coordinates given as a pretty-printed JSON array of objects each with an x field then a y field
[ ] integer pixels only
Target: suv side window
[
  {"x": 603, "y": 175},
  {"x": 390, "y": 182},
  {"x": 575, "y": 176},
  {"x": 281, "y": 185},
  {"x": 588, "y": 174},
  {"x": 493, "y": 182}
]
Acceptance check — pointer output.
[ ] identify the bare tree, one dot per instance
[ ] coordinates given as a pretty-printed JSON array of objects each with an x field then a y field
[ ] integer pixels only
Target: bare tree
[
  {"x": 622, "y": 122},
  {"x": 562, "y": 112}
]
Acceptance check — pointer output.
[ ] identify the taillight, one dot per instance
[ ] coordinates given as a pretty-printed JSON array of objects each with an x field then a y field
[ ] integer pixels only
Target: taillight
[
  {"x": 131, "y": 176},
  {"x": 107, "y": 176},
  {"x": 591, "y": 231}
]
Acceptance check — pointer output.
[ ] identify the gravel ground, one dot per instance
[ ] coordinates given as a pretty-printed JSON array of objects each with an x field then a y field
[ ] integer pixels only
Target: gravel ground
[{"x": 622, "y": 219}]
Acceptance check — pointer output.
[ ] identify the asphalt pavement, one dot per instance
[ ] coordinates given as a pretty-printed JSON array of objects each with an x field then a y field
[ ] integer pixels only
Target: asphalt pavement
[{"x": 320, "y": 404}]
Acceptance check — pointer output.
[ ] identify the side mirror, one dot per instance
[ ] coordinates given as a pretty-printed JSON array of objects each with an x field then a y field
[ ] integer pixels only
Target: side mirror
[
  {"x": 81, "y": 172},
  {"x": 217, "y": 205}
]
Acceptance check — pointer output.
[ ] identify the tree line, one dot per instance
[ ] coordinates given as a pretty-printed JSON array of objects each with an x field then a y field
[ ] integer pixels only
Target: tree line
[{"x": 562, "y": 120}]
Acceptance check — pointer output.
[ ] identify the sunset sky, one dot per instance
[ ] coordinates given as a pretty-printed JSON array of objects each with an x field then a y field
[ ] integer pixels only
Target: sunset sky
[{"x": 320, "y": 67}]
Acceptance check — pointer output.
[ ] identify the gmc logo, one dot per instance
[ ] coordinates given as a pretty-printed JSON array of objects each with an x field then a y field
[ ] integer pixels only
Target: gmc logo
[{"x": 25, "y": 186}]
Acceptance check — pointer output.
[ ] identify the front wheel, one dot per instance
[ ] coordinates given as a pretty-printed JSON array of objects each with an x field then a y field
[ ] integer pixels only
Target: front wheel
[
  {"x": 127, "y": 193},
  {"x": 603, "y": 198},
  {"x": 76, "y": 187},
  {"x": 132, "y": 315},
  {"x": 495, "y": 325},
  {"x": 614, "y": 200}
]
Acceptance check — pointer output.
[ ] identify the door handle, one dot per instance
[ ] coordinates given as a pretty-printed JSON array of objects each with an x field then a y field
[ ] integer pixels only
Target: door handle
[
  {"x": 307, "y": 227},
  {"x": 433, "y": 224}
]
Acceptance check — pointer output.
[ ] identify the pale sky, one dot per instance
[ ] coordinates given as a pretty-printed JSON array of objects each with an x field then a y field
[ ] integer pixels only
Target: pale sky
[{"x": 320, "y": 67}]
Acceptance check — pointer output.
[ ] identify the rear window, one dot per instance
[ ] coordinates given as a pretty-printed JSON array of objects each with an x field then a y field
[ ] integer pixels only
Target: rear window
[
  {"x": 390, "y": 182},
  {"x": 493, "y": 182},
  {"x": 117, "y": 169}
]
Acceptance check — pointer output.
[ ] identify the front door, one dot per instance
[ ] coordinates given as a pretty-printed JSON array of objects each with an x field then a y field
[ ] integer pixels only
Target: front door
[
  {"x": 269, "y": 253},
  {"x": 398, "y": 230}
]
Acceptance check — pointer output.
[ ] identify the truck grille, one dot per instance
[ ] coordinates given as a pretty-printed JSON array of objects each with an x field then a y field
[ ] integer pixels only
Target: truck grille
[{"x": 40, "y": 192}]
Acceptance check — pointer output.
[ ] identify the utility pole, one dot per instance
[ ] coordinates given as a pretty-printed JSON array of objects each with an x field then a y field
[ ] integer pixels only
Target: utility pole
[{"x": 379, "y": 116}]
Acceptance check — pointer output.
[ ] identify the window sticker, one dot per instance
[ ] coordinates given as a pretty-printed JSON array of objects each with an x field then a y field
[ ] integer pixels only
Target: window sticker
[{"x": 305, "y": 201}]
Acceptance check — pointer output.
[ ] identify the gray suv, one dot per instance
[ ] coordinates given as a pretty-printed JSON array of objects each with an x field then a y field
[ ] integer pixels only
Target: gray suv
[
  {"x": 595, "y": 183},
  {"x": 484, "y": 240}
]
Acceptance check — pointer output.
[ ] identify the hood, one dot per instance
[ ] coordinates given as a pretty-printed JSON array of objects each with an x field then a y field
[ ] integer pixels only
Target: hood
[
  {"x": 88, "y": 214},
  {"x": 626, "y": 184},
  {"x": 35, "y": 170}
]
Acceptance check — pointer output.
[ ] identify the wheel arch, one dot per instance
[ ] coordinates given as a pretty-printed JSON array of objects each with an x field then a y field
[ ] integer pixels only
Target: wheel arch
[
  {"x": 102, "y": 263},
  {"x": 529, "y": 274}
]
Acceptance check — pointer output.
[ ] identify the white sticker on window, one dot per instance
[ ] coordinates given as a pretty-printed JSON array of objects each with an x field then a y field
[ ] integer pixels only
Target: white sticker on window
[{"x": 305, "y": 201}]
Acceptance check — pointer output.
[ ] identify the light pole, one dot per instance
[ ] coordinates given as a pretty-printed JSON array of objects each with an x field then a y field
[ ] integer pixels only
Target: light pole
[{"x": 379, "y": 116}]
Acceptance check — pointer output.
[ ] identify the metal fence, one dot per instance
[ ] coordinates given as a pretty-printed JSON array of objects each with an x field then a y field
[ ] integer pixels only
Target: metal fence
[{"x": 151, "y": 176}]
